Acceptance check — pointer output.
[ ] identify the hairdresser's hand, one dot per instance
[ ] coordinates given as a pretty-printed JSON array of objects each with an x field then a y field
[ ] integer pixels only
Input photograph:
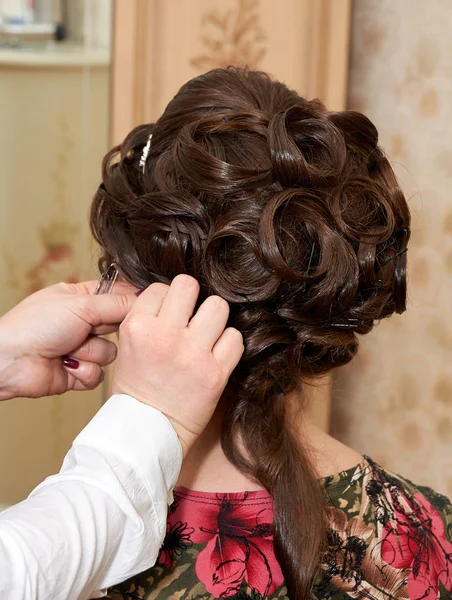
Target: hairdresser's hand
[
  {"x": 173, "y": 362},
  {"x": 40, "y": 333}
]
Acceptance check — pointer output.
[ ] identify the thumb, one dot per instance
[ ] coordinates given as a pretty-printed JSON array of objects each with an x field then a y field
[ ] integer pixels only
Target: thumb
[{"x": 105, "y": 309}]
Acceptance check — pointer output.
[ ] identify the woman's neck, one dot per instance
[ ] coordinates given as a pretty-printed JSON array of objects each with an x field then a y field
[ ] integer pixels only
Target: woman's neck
[{"x": 206, "y": 467}]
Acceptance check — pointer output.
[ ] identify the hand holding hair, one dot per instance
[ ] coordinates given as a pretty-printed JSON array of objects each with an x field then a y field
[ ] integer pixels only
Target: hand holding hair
[
  {"x": 49, "y": 343},
  {"x": 176, "y": 362}
]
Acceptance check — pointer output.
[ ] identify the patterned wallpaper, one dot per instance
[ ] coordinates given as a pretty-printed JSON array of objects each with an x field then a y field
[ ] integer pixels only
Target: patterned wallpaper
[
  {"x": 231, "y": 37},
  {"x": 394, "y": 401}
]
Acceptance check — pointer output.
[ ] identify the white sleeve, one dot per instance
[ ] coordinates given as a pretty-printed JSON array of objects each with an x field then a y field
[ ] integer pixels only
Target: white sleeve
[{"x": 102, "y": 519}]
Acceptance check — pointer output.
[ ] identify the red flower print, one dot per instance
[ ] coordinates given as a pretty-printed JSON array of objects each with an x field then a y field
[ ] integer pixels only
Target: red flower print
[
  {"x": 239, "y": 539},
  {"x": 418, "y": 542},
  {"x": 176, "y": 541}
]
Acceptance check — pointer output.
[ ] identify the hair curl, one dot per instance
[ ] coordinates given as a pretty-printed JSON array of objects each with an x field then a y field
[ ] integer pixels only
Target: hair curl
[{"x": 292, "y": 214}]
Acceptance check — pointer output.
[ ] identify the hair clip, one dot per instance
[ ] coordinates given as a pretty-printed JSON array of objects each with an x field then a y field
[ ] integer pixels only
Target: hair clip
[
  {"x": 349, "y": 324},
  {"x": 107, "y": 280},
  {"x": 145, "y": 154},
  {"x": 394, "y": 257}
]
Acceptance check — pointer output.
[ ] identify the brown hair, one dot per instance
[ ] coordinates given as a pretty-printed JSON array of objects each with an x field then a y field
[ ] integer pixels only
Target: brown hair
[{"x": 292, "y": 214}]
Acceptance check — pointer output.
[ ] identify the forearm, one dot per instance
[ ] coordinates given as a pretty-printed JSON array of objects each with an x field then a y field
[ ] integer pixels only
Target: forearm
[
  {"x": 58, "y": 543},
  {"x": 8, "y": 372},
  {"x": 11, "y": 371},
  {"x": 103, "y": 518}
]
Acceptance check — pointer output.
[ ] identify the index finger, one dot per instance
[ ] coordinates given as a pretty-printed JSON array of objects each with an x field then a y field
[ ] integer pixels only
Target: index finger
[
  {"x": 180, "y": 301},
  {"x": 151, "y": 299}
]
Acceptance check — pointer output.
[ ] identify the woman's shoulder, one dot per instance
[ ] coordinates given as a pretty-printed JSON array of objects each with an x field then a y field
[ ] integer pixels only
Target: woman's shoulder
[{"x": 387, "y": 537}]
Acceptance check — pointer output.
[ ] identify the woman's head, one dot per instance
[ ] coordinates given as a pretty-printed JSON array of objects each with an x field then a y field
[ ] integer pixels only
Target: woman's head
[
  {"x": 291, "y": 213},
  {"x": 288, "y": 211}
]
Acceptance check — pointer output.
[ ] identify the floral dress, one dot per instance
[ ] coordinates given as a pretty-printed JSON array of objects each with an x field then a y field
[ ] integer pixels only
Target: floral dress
[{"x": 387, "y": 539}]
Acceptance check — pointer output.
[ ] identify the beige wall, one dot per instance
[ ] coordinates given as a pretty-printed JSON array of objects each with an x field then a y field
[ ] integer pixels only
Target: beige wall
[
  {"x": 54, "y": 123},
  {"x": 395, "y": 400}
]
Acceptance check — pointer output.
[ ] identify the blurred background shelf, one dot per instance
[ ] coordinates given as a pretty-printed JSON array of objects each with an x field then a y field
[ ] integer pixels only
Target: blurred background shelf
[{"x": 55, "y": 55}]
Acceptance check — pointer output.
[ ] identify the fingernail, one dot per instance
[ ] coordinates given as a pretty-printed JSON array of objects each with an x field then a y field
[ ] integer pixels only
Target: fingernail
[{"x": 71, "y": 363}]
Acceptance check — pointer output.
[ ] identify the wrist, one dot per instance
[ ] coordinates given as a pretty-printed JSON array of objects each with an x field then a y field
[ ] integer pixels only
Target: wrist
[{"x": 186, "y": 442}]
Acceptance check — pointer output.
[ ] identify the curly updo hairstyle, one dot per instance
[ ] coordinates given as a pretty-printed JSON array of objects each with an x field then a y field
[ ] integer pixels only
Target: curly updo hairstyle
[{"x": 292, "y": 214}]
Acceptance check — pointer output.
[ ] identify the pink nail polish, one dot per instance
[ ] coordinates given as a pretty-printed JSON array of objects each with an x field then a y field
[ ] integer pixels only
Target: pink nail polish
[{"x": 71, "y": 363}]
